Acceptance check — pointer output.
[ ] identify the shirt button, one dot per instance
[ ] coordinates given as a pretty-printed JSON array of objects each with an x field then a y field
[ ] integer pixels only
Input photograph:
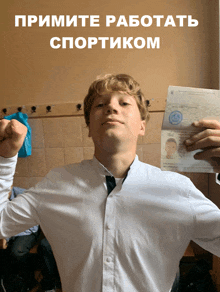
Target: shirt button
[
  {"x": 108, "y": 227},
  {"x": 108, "y": 260}
]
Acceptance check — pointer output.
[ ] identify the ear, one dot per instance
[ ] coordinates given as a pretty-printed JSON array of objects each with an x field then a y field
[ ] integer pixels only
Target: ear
[{"x": 142, "y": 128}]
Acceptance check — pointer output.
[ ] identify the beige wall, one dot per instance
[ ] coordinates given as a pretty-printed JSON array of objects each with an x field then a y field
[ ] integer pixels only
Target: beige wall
[{"x": 34, "y": 73}]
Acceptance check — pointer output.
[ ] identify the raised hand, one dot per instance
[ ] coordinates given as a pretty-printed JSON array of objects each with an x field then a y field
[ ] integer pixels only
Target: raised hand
[
  {"x": 12, "y": 135},
  {"x": 208, "y": 140}
]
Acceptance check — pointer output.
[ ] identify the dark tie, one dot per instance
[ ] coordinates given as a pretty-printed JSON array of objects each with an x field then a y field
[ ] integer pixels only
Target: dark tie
[{"x": 110, "y": 181}]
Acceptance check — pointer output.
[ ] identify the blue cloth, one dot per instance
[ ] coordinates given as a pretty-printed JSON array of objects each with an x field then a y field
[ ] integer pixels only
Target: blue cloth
[{"x": 26, "y": 147}]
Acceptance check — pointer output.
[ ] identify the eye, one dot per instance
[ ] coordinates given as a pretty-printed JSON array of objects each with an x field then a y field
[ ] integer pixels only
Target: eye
[
  {"x": 124, "y": 103},
  {"x": 100, "y": 105}
]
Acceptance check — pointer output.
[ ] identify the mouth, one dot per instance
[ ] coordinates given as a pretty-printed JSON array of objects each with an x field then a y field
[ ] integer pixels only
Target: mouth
[{"x": 112, "y": 121}]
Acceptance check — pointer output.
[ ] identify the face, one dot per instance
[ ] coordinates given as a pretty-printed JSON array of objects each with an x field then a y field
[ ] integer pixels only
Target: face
[
  {"x": 115, "y": 118},
  {"x": 170, "y": 148}
]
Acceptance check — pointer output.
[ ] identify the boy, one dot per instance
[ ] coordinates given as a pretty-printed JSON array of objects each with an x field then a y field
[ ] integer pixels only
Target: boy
[{"x": 130, "y": 237}]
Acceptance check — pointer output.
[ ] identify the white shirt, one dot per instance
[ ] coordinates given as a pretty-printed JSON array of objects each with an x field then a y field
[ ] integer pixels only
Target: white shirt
[{"x": 129, "y": 241}]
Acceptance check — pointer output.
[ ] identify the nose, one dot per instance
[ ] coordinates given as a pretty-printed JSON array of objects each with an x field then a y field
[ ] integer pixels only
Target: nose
[{"x": 112, "y": 106}]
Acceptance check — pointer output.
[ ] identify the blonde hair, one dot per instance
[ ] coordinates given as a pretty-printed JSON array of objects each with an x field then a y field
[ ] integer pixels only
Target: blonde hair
[{"x": 110, "y": 83}]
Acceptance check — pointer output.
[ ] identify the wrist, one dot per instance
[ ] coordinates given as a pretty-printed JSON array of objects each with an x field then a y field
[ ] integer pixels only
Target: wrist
[{"x": 9, "y": 159}]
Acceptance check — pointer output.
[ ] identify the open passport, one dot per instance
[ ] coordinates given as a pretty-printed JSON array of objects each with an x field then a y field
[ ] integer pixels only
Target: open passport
[{"x": 184, "y": 106}]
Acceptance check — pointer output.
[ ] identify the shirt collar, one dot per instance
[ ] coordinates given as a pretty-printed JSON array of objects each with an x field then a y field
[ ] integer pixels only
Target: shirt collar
[{"x": 102, "y": 170}]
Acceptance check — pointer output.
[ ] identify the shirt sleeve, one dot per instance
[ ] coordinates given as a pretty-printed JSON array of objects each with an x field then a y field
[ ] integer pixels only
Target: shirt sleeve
[
  {"x": 16, "y": 215},
  {"x": 7, "y": 170},
  {"x": 206, "y": 222}
]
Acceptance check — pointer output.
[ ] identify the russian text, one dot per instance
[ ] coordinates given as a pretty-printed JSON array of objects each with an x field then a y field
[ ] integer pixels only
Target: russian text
[{"x": 105, "y": 42}]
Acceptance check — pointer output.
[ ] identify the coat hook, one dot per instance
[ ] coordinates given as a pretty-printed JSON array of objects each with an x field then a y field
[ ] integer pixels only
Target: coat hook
[
  {"x": 48, "y": 108},
  {"x": 19, "y": 108},
  {"x": 147, "y": 102},
  {"x": 33, "y": 109},
  {"x": 4, "y": 110},
  {"x": 79, "y": 106}
]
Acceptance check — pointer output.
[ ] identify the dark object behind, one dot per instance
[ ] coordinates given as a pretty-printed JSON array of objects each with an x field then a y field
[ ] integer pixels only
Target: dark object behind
[{"x": 198, "y": 279}]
